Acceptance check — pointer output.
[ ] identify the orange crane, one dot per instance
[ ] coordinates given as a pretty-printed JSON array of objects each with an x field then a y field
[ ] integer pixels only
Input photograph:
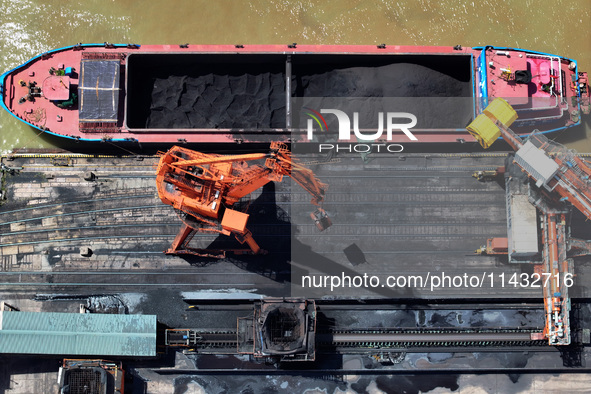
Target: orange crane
[
  {"x": 204, "y": 188},
  {"x": 561, "y": 176}
]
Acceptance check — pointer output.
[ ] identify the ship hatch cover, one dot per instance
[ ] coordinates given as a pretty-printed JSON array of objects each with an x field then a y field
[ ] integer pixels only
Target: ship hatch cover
[{"x": 99, "y": 90}]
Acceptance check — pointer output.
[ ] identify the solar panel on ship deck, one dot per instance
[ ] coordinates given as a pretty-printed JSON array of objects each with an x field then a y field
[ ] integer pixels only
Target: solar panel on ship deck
[{"x": 99, "y": 90}]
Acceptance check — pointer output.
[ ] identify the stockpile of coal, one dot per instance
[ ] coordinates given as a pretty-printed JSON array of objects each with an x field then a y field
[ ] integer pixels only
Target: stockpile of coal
[
  {"x": 392, "y": 80},
  {"x": 196, "y": 93},
  {"x": 439, "y": 98},
  {"x": 247, "y": 101}
]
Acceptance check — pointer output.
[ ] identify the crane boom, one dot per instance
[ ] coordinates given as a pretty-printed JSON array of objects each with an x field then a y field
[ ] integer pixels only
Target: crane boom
[{"x": 211, "y": 159}]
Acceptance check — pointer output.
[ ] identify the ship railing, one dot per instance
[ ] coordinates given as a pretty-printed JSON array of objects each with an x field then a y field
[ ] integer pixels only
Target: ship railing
[
  {"x": 555, "y": 104},
  {"x": 552, "y": 59},
  {"x": 555, "y": 117}
]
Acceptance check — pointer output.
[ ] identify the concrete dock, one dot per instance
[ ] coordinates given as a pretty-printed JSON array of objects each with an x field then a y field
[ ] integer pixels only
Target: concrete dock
[
  {"x": 91, "y": 230},
  {"x": 90, "y": 224}
]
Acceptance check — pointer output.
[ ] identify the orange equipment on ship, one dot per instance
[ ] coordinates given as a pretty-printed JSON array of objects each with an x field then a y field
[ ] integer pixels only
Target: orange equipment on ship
[{"x": 204, "y": 188}]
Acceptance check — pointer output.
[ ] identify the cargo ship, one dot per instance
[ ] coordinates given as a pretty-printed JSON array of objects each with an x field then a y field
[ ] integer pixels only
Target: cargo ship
[{"x": 170, "y": 94}]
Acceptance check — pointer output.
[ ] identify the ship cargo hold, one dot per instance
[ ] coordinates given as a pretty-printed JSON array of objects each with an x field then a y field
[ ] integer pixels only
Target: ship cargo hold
[{"x": 165, "y": 94}]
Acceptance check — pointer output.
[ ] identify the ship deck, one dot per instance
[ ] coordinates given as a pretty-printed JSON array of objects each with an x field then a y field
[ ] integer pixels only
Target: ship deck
[{"x": 544, "y": 97}]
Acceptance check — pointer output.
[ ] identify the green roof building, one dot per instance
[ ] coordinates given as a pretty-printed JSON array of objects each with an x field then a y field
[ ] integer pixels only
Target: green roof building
[{"x": 81, "y": 334}]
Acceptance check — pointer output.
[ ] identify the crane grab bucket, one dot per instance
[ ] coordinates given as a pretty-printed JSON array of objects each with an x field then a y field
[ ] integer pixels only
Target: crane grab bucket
[{"x": 321, "y": 219}]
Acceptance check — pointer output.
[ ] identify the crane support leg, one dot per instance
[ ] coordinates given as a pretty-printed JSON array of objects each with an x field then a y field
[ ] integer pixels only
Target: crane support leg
[{"x": 182, "y": 238}]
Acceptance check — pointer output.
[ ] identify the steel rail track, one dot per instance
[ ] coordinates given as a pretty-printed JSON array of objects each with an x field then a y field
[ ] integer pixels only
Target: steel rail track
[
  {"x": 187, "y": 271},
  {"x": 176, "y": 223},
  {"x": 299, "y": 236},
  {"x": 71, "y": 208},
  {"x": 401, "y": 252},
  {"x": 414, "y": 236},
  {"x": 108, "y": 237},
  {"x": 383, "y": 231},
  {"x": 36, "y": 209},
  {"x": 105, "y": 278},
  {"x": 93, "y": 200},
  {"x": 393, "y": 176},
  {"x": 90, "y": 227},
  {"x": 333, "y": 205},
  {"x": 294, "y": 195},
  {"x": 82, "y": 213},
  {"x": 405, "y": 190}
]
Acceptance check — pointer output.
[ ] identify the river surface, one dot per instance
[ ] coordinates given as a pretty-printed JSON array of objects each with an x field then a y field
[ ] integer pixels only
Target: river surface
[{"x": 29, "y": 27}]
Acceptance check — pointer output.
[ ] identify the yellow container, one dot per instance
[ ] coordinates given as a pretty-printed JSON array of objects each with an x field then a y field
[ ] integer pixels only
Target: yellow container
[
  {"x": 484, "y": 130},
  {"x": 502, "y": 111}
]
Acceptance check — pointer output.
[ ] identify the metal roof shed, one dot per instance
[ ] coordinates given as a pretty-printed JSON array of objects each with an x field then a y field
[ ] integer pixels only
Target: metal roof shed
[
  {"x": 533, "y": 159},
  {"x": 522, "y": 228},
  {"x": 85, "y": 334}
]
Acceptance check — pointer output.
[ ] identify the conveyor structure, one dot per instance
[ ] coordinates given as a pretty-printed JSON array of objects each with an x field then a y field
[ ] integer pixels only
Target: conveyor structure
[
  {"x": 297, "y": 329},
  {"x": 560, "y": 176},
  {"x": 281, "y": 328}
]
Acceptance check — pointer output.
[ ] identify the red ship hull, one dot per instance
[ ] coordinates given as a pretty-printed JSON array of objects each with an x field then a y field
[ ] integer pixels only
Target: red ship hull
[{"x": 165, "y": 94}]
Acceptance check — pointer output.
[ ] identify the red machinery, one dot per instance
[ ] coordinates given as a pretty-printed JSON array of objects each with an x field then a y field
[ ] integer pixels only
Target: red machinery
[
  {"x": 494, "y": 246},
  {"x": 560, "y": 175},
  {"x": 580, "y": 87},
  {"x": 205, "y": 187},
  {"x": 91, "y": 376}
]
